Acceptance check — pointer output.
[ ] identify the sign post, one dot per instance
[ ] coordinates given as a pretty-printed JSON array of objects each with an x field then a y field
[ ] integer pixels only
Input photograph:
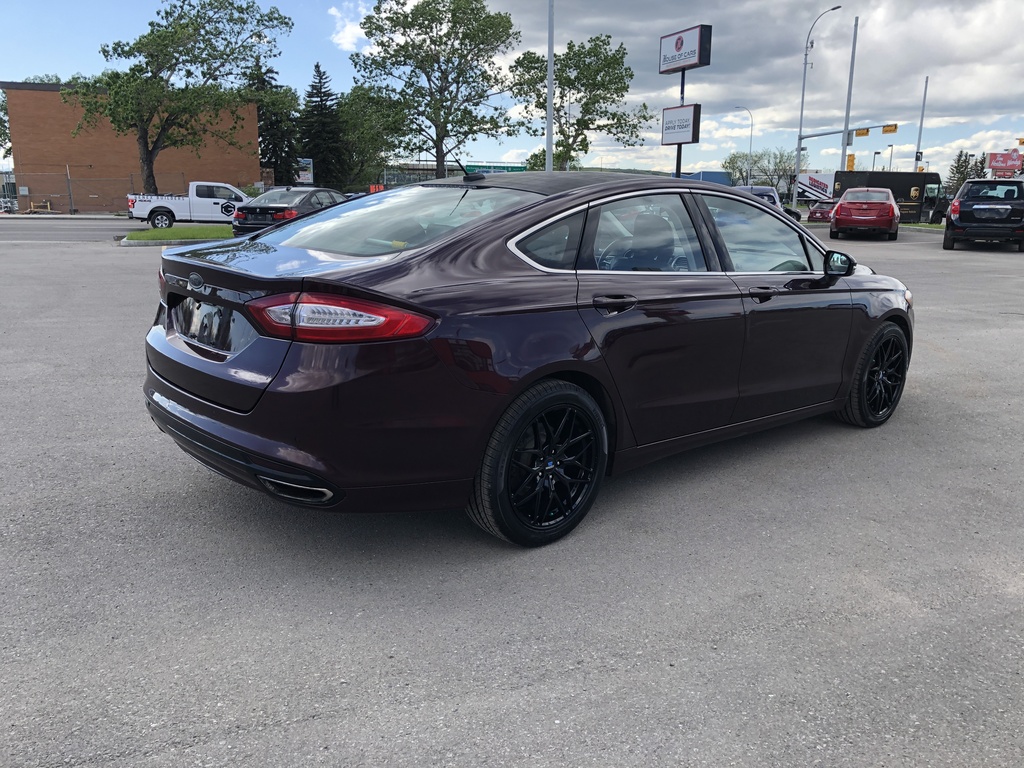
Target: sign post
[{"x": 680, "y": 51}]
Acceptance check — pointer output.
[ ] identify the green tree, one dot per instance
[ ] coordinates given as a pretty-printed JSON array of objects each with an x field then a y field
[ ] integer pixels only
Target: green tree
[
  {"x": 277, "y": 107},
  {"x": 320, "y": 131},
  {"x": 562, "y": 160},
  {"x": 591, "y": 83},
  {"x": 371, "y": 124},
  {"x": 184, "y": 76},
  {"x": 773, "y": 167},
  {"x": 5, "y": 128},
  {"x": 965, "y": 166},
  {"x": 438, "y": 60}
]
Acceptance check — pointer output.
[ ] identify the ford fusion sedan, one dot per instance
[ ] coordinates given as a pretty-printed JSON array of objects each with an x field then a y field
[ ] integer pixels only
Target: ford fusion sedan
[
  {"x": 866, "y": 211},
  {"x": 502, "y": 343}
]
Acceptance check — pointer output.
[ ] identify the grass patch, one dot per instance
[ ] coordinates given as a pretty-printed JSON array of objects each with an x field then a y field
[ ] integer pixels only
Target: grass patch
[{"x": 197, "y": 232}]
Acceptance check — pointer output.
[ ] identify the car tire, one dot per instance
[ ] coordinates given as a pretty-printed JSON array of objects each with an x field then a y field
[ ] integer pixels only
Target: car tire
[
  {"x": 948, "y": 243},
  {"x": 161, "y": 220},
  {"x": 879, "y": 379},
  {"x": 833, "y": 235},
  {"x": 894, "y": 235},
  {"x": 1020, "y": 245},
  {"x": 542, "y": 467}
]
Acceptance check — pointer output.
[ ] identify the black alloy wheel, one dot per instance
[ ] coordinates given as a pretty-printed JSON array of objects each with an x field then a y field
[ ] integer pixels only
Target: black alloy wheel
[
  {"x": 878, "y": 383},
  {"x": 543, "y": 466}
]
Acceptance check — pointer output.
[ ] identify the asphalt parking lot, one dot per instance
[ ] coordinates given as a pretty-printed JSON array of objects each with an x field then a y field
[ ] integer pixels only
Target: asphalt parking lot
[{"x": 812, "y": 595}]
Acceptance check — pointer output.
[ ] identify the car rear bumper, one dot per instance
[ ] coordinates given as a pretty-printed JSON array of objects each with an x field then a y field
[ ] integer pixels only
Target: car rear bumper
[
  {"x": 1001, "y": 233},
  {"x": 866, "y": 225},
  {"x": 345, "y": 462}
]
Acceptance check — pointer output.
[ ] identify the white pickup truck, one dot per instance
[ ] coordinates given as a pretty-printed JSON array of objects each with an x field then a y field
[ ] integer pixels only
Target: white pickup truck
[{"x": 206, "y": 201}]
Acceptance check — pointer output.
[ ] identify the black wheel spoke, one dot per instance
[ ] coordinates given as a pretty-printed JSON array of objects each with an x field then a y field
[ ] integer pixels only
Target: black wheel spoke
[{"x": 552, "y": 466}]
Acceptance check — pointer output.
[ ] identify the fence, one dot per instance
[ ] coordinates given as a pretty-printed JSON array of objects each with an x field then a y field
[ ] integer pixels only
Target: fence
[{"x": 64, "y": 193}]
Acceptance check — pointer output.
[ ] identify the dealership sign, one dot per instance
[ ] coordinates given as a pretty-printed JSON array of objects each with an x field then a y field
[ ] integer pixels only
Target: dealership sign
[
  {"x": 680, "y": 125},
  {"x": 685, "y": 50},
  {"x": 1004, "y": 161}
]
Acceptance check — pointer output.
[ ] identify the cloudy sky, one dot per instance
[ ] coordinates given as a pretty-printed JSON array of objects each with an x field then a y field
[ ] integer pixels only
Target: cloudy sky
[{"x": 970, "y": 50}]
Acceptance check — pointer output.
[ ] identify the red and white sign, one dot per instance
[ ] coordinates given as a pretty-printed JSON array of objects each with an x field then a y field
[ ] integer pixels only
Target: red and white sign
[
  {"x": 1004, "y": 161},
  {"x": 685, "y": 49}
]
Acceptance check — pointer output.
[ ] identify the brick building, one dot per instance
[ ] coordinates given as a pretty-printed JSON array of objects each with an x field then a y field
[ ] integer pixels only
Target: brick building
[{"x": 94, "y": 171}]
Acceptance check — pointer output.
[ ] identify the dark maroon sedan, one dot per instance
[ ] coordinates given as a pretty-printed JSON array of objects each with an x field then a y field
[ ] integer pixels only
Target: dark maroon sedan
[{"x": 503, "y": 342}]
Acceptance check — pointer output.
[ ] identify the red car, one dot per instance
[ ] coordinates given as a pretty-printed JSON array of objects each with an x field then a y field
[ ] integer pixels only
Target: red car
[
  {"x": 867, "y": 210},
  {"x": 820, "y": 210}
]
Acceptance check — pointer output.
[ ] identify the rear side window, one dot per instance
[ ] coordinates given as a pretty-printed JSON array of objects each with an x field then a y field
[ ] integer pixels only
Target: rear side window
[{"x": 555, "y": 245}]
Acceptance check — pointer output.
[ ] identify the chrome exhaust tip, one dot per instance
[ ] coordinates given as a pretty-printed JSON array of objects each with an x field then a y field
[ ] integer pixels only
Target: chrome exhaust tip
[{"x": 303, "y": 494}]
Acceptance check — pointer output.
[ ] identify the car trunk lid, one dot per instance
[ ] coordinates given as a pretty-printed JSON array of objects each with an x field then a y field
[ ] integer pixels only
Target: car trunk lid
[{"x": 205, "y": 340}]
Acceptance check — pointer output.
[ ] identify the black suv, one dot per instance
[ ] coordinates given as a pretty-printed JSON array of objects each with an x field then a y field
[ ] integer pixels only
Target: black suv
[{"x": 986, "y": 209}]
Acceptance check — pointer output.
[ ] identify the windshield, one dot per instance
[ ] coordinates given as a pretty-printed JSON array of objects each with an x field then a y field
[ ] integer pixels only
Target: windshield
[
  {"x": 402, "y": 218},
  {"x": 867, "y": 197}
]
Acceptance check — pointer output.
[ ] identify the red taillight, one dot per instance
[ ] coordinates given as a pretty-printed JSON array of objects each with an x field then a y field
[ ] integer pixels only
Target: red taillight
[
  {"x": 239, "y": 215},
  {"x": 161, "y": 280},
  {"x": 842, "y": 210},
  {"x": 289, "y": 214},
  {"x": 325, "y": 317},
  {"x": 954, "y": 208},
  {"x": 892, "y": 211}
]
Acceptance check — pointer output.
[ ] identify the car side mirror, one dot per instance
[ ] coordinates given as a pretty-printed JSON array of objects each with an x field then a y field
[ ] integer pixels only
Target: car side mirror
[{"x": 839, "y": 264}]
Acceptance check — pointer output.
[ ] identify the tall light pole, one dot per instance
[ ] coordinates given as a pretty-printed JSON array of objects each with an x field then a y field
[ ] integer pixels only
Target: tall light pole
[
  {"x": 549, "y": 144},
  {"x": 875, "y": 157},
  {"x": 803, "y": 90},
  {"x": 890, "y": 156},
  {"x": 750, "y": 148}
]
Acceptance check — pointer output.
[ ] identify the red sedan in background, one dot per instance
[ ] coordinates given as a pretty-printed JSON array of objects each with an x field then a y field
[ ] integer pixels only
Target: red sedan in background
[
  {"x": 867, "y": 210},
  {"x": 820, "y": 210}
]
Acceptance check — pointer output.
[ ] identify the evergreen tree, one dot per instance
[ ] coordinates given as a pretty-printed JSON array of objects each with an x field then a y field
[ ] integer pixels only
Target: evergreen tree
[
  {"x": 320, "y": 132},
  {"x": 964, "y": 167},
  {"x": 276, "y": 108}
]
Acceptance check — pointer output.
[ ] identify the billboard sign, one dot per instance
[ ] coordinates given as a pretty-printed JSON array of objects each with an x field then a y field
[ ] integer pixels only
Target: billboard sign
[
  {"x": 304, "y": 174},
  {"x": 680, "y": 125},
  {"x": 1004, "y": 161},
  {"x": 686, "y": 49}
]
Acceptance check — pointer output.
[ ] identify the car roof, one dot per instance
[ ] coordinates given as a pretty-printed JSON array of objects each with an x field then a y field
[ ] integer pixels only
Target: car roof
[{"x": 556, "y": 182}]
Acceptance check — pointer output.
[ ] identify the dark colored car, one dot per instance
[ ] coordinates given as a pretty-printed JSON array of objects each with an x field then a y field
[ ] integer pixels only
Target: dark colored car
[
  {"x": 771, "y": 196},
  {"x": 866, "y": 210},
  {"x": 503, "y": 342},
  {"x": 986, "y": 209},
  {"x": 281, "y": 204},
  {"x": 820, "y": 210}
]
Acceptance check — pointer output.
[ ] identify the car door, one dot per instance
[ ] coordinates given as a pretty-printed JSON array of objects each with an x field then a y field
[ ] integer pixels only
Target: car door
[
  {"x": 668, "y": 323},
  {"x": 797, "y": 322},
  {"x": 215, "y": 203}
]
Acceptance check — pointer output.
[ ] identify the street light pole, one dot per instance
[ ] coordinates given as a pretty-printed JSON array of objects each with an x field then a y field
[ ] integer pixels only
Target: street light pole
[
  {"x": 750, "y": 148},
  {"x": 875, "y": 157},
  {"x": 803, "y": 90},
  {"x": 890, "y": 156}
]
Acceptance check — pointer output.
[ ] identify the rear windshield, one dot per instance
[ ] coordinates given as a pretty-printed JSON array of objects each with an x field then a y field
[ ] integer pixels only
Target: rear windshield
[
  {"x": 1005, "y": 190},
  {"x": 391, "y": 221},
  {"x": 280, "y": 197},
  {"x": 867, "y": 196}
]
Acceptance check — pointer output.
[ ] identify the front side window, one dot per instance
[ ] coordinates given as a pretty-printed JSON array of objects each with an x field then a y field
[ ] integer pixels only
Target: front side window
[
  {"x": 653, "y": 233},
  {"x": 759, "y": 242}
]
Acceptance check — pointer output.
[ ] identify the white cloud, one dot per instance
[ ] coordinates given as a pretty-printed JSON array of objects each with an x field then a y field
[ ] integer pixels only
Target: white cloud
[{"x": 347, "y": 32}]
